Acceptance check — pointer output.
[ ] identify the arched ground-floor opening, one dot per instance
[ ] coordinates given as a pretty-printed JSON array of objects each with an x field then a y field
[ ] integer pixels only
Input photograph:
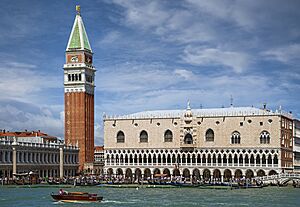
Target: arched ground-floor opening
[
  {"x": 227, "y": 175},
  {"x": 196, "y": 174},
  {"x": 156, "y": 172},
  {"x": 217, "y": 175},
  {"x": 147, "y": 173},
  {"x": 138, "y": 174},
  {"x": 119, "y": 171},
  {"x": 261, "y": 173},
  {"x": 176, "y": 172},
  {"x": 186, "y": 174},
  {"x": 166, "y": 172},
  {"x": 273, "y": 172},
  {"x": 110, "y": 172},
  {"x": 128, "y": 175},
  {"x": 249, "y": 174},
  {"x": 206, "y": 175},
  {"x": 238, "y": 174}
]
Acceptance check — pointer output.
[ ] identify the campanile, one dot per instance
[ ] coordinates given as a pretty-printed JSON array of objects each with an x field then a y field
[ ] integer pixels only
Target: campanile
[{"x": 79, "y": 74}]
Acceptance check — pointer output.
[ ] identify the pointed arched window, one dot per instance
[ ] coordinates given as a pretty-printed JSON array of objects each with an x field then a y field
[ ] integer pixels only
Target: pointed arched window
[
  {"x": 188, "y": 139},
  {"x": 168, "y": 136},
  {"x": 235, "y": 138},
  {"x": 143, "y": 136},
  {"x": 264, "y": 137},
  {"x": 209, "y": 135},
  {"x": 120, "y": 137}
]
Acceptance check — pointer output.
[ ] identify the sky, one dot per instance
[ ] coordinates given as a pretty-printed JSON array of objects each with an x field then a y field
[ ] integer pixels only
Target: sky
[{"x": 149, "y": 55}]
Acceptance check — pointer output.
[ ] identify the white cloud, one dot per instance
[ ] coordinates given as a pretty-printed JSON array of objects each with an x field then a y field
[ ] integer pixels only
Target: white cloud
[
  {"x": 285, "y": 54},
  {"x": 98, "y": 133},
  {"x": 109, "y": 38},
  {"x": 237, "y": 61},
  {"x": 177, "y": 25},
  {"x": 186, "y": 74},
  {"x": 151, "y": 89},
  {"x": 227, "y": 10},
  {"x": 20, "y": 116},
  {"x": 135, "y": 77},
  {"x": 21, "y": 81}
]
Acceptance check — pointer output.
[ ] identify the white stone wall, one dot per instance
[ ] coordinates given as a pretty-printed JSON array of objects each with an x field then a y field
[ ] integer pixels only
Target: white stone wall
[{"x": 223, "y": 127}]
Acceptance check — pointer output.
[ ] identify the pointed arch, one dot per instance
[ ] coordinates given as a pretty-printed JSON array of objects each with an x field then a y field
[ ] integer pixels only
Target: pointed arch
[
  {"x": 188, "y": 139},
  {"x": 249, "y": 174},
  {"x": 167, "y": 172},
  {"x": 120, "y": 137},
  {"x": 209, "y": 135},
  {"x": 138, "y": 174},
  {"x": 206, "y": 174},
  {"x": 168, "y": 136},
  {"x": 264, "y": 137},
  {"x": 238, "y": 174},
  {"x": 261, "y": 173},
  {"x": 147, "y": 173},
  {"x": 143, "y": 136},
  {"x": 186, "y": 173},
  {"x": 235, "y": 138}
]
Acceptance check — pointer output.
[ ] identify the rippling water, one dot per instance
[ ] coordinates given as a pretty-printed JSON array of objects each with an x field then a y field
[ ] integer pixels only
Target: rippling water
[{"x": 271, "y": 196}]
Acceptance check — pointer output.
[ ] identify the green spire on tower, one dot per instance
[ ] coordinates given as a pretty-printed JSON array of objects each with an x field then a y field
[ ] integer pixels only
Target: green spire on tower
[{"x": 78, "y": 39}]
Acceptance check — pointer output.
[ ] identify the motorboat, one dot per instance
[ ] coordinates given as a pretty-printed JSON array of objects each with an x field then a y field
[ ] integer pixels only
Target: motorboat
[{"x": 76, "y": 197}]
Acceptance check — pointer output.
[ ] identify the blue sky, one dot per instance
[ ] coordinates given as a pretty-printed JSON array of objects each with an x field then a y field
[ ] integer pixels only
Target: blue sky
[{"x": 149, "y": 55}]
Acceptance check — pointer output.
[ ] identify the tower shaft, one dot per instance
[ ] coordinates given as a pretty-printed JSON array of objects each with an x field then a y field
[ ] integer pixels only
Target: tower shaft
[{"x": 79, "y": 74}]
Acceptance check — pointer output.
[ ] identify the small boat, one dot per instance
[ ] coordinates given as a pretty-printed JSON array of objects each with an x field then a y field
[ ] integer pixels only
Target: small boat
[
  {"x": 181, "y": 184},
  {"x": 76, "y": 197}
]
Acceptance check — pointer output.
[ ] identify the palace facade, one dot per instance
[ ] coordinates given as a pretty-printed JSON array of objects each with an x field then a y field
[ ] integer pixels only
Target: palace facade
[
  {"x": 221, "y": 143},
  {"x": 34, "y": 151}
]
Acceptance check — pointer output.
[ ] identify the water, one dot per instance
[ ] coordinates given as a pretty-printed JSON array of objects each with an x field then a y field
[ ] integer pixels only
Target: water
[{"x": 147, "y": 197}]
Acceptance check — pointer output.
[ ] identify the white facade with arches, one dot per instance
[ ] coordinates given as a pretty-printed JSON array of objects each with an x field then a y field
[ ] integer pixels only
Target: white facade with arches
[{"x": 209, "y": 144}]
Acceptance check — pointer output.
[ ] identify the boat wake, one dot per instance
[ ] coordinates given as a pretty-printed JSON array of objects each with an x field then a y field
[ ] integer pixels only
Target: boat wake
[
  {"x": 76, "y": 202},
  {"x": 117, "y": 202}
]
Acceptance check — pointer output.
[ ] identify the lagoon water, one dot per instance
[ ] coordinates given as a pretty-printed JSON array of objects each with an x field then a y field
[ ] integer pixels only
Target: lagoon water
[{"x": 148, "y": 197}]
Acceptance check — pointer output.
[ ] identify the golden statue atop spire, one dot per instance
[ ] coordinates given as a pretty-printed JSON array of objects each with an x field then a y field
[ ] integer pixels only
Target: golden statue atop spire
[{"x": 78, "y": 9}]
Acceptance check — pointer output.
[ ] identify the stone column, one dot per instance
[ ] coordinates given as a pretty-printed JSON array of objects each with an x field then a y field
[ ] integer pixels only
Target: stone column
[
  {"x": 14, "y": 158},
  {"x": 261, "y": 164},
  {"x": 222, "y": 163},
  {"x": 61, "y": 161}
]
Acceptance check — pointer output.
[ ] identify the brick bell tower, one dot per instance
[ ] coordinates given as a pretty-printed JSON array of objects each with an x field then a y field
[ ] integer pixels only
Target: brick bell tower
[{"x": 79, "y": 74}]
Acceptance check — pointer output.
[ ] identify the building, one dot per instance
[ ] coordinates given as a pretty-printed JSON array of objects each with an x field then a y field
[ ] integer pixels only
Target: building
[
  {"x": 297, "y": 146},
  {"x": 99, "y": 160},
  {"x": 220, "y": 143},
  {"x": 79, "y": 74},
  {"x": 37, "y": 152}
]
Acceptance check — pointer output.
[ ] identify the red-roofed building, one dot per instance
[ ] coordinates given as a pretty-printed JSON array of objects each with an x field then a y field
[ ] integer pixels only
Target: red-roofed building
[{"x": 98, "y": 160}]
